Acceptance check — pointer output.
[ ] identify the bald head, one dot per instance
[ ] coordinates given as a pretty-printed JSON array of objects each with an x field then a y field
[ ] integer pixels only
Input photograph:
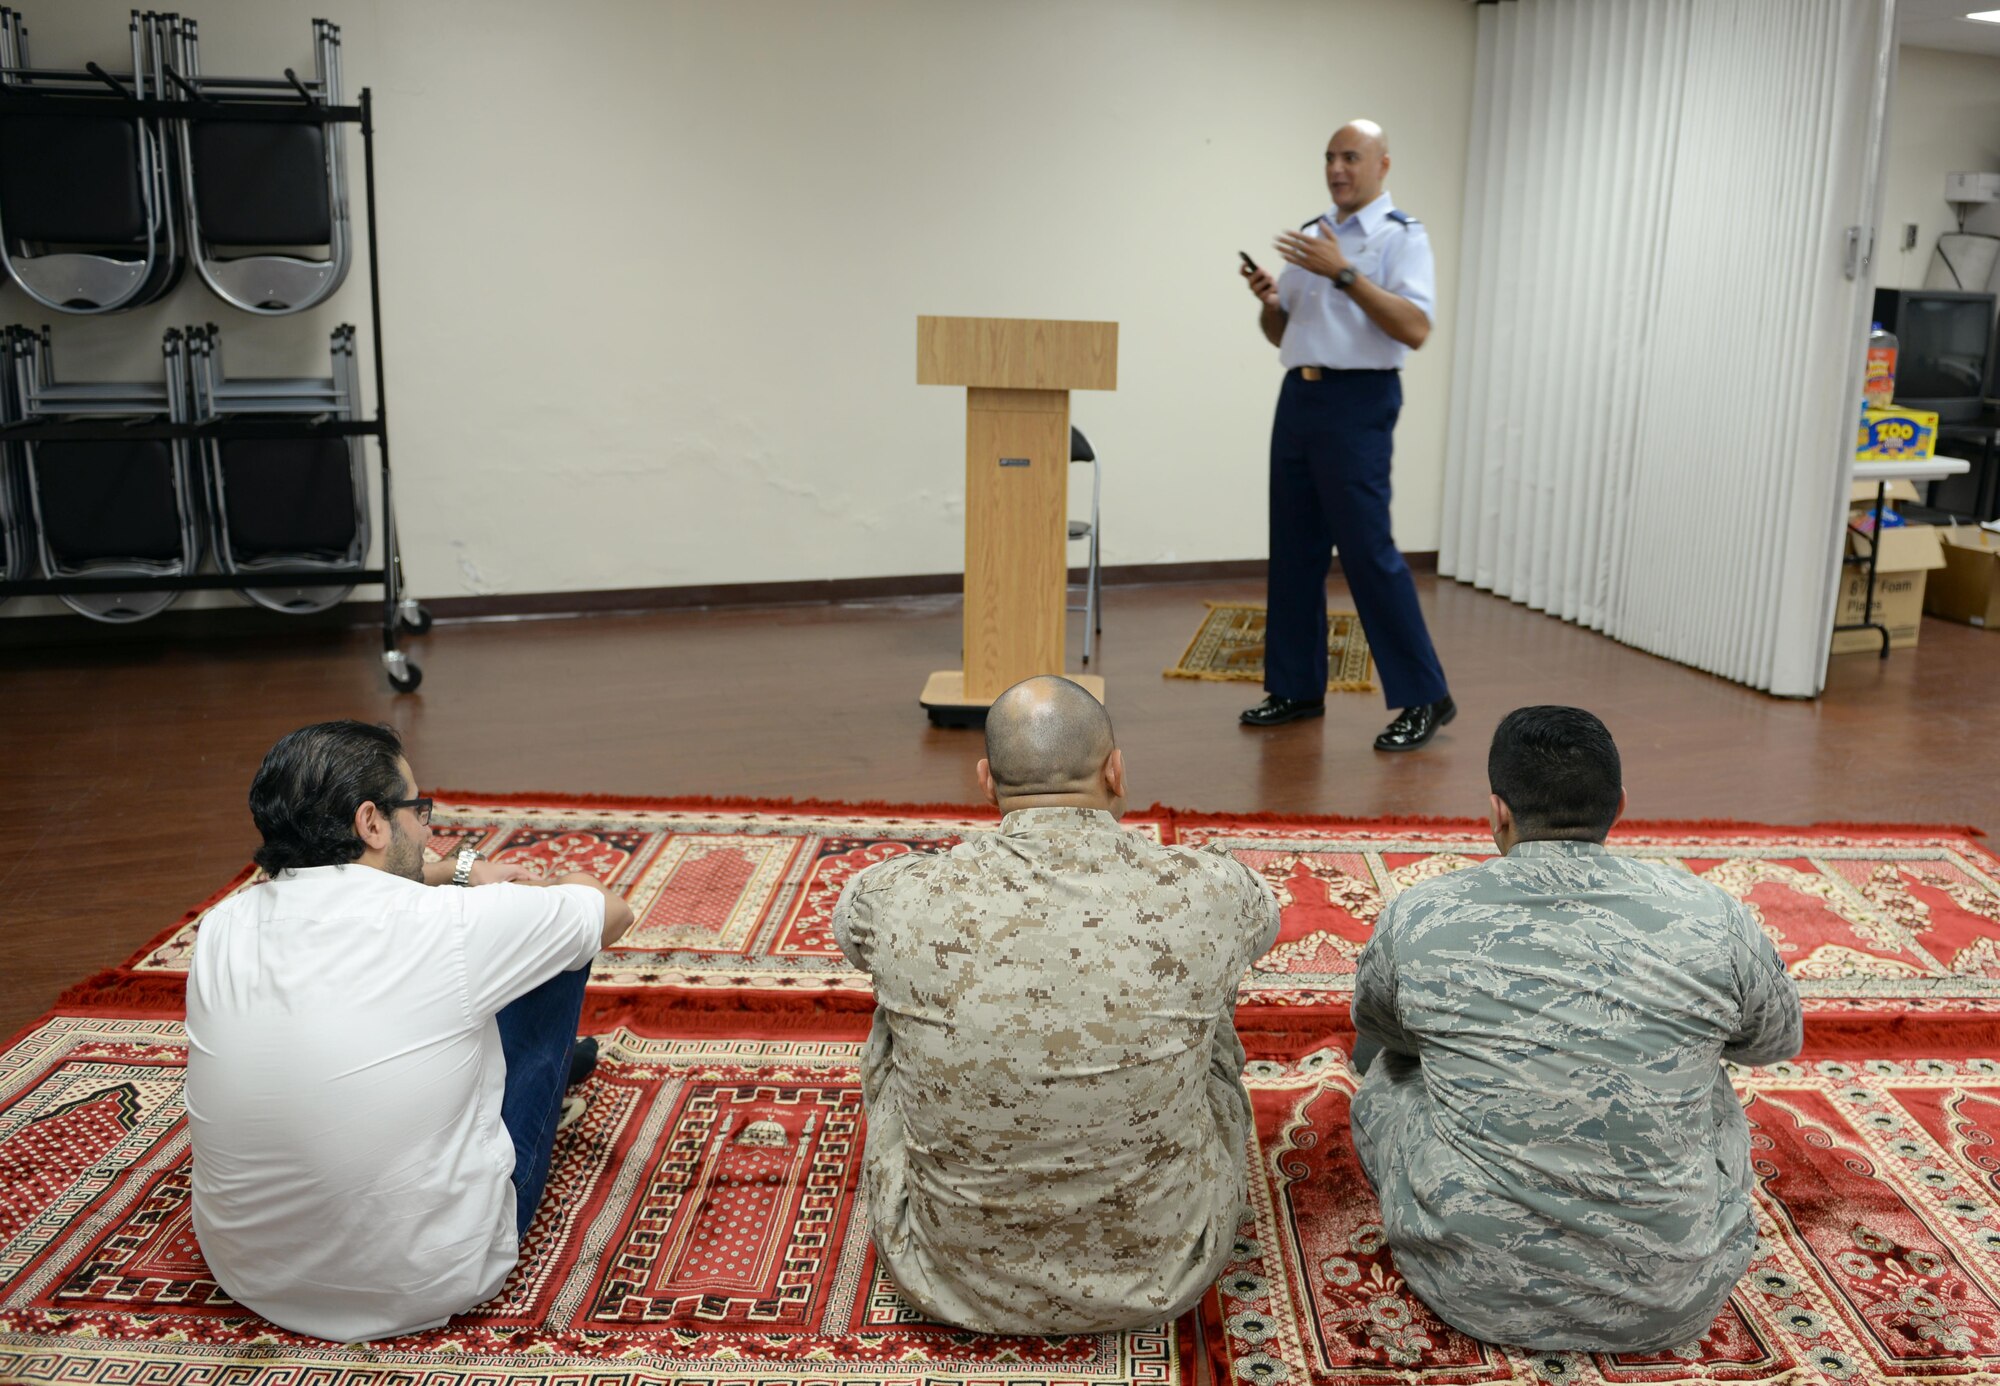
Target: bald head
[
  {"x": 1047, "y": 736},
  {"x": 1357, "y": 162},
  {"x": 1366, "y": 130}
]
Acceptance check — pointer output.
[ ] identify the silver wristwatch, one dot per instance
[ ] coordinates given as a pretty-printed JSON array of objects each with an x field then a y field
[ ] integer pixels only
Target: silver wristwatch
[{"x": 463, "y": 875}]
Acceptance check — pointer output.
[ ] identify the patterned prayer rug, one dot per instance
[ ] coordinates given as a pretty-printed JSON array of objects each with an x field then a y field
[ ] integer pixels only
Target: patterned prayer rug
[
  {"x": 1867, "y": 920},
  {"x": 702, "y": 1226},
  {"x": 1230, "y": 645},
  {"x": 735, "y": 903}
]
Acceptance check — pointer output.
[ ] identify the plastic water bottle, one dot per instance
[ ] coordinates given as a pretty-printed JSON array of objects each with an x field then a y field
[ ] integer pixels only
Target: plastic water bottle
[{"x": 1878, "y": 384}]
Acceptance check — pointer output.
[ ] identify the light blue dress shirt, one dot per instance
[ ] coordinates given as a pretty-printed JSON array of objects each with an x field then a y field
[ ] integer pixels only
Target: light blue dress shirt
[{"x": 1325, "y": 326}]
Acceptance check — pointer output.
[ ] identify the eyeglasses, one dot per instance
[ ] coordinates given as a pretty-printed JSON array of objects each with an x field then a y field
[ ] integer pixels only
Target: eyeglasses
[{"x": 421, "y": 805}]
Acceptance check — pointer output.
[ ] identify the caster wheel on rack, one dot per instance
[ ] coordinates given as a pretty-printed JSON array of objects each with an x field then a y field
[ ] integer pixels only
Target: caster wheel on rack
[
  {"x": 414, "y": 617},
  {"x": 403, "y": 675}
]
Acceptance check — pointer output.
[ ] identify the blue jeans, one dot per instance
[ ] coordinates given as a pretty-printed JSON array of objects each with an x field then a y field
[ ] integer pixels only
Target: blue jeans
[{"x": 537, "y": 1032}]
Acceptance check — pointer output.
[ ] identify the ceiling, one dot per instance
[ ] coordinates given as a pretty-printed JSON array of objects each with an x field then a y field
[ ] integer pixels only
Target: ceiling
[{"x": 1942, "y": 24}]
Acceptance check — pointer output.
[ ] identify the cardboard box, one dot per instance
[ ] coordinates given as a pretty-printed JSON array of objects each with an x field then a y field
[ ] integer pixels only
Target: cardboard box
[
  {"x": 1967, "y": 588},
  {"x": 1896, "y": 435},
  {"x": 1909, "y": 554}
]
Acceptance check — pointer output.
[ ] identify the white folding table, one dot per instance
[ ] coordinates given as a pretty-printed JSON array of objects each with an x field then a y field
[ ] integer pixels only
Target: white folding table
[{"x": 1882, "y": 473}]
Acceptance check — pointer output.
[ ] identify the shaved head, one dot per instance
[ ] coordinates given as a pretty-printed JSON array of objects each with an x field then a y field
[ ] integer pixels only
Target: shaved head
[
  {"x": 1045, "y": 736},
  {"x": 1367, "y": 130}
]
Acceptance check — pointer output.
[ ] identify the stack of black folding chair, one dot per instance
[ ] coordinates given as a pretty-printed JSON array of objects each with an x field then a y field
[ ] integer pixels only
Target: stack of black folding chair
[
  {"x": 100, "y": 213},
  {"x": 108, "y": 507},
  {"x": 87, "y": 219},
  {"x": 283, "y": 503},
  {"x": 266, "y": 203}
]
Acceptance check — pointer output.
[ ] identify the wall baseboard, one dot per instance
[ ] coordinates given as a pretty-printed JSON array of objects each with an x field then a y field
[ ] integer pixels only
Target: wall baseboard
[
  {"x": 828, "y": 590},
  {"x": 812, "y": 592},
  {"x": 254, "y": 623}
]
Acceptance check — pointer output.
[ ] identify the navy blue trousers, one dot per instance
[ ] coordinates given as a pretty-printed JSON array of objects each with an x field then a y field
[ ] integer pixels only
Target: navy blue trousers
[
  {"x": 537, "y": 1033},
  {"x": 1330, "y": 448}
]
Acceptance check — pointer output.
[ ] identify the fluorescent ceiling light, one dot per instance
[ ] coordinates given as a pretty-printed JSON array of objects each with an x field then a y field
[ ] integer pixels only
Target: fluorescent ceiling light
[{"x": 1986, "y": 16}]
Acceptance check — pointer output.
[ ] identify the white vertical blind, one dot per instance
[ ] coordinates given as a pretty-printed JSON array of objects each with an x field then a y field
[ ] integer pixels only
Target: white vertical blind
[{"x": 1658, "y": 359}]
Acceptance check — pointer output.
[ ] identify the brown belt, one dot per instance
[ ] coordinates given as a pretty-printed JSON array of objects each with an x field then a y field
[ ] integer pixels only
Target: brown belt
[{"x": 1309, "y": 372}]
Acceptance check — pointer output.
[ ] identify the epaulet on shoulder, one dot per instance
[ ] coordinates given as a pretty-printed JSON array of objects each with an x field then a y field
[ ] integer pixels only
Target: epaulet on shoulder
[
  {"x": 1308, "y": 223},
  {"x": 1404, "y": 219}
]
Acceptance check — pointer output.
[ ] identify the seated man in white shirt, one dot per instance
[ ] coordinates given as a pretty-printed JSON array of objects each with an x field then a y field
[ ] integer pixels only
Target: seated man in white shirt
[{"x": 376, "y": 1066}]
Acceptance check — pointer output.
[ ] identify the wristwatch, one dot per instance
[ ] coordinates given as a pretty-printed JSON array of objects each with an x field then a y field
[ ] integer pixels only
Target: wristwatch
[
  {"x": 463, "y": 875},
  {"x": 1344, "y": 278}
]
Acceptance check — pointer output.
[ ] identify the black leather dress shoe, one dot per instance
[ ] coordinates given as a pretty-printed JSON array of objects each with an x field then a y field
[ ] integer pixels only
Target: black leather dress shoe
[
  {"x": 1416, "y": 725},
  {"x": 1274, "y": 710},
  {"x": 582, "y": 1060}
]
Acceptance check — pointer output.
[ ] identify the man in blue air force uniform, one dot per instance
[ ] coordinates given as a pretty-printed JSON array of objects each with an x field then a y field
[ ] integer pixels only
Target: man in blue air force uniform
[
  {"x": 1562, "y": 1162},
  {"x": 1354, "y": 300}
]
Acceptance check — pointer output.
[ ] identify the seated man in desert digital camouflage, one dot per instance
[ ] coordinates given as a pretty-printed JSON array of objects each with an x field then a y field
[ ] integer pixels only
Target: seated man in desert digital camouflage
[{"x": 1056, "y": 1110}]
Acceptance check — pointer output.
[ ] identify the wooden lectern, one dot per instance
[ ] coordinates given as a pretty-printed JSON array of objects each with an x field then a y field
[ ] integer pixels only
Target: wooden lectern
[{"x": 1017, "y": 374}]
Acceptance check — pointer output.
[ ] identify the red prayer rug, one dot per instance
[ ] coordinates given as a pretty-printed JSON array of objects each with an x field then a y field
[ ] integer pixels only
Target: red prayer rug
[
  {"x": 735, "y": 901},
  {"x": 702, "y": 1226},
  {"x": 702, "y": 1222}
]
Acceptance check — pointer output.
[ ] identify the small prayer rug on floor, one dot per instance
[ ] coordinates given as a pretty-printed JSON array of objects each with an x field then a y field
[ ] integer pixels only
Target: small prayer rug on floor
[
  {"x": 703, "y": 1226},
  {"x": 735, "y": 901},
  {"x": 1230, "y": 645}
]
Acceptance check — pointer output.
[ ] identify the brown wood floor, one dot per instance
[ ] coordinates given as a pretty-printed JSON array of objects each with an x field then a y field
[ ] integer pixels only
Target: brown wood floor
[{"x": 124, "y": 769}]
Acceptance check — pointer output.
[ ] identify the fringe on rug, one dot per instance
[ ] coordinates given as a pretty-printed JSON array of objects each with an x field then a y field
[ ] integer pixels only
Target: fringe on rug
[{"x": 117, "y": 990}]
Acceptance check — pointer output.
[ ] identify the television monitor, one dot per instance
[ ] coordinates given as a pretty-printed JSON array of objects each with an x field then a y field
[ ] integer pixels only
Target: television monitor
[
  {"x": 1944, "y": 349},
  {"x": 1993, "y": 364}
]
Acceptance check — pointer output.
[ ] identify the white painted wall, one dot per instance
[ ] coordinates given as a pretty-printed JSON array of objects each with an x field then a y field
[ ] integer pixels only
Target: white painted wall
[
  {"x": 651, "y": 271},
  {"x": 1944, "y": 117}
]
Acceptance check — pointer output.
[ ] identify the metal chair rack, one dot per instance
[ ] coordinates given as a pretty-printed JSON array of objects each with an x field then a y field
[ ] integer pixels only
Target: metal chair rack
[{"x": 298, "y": 106}]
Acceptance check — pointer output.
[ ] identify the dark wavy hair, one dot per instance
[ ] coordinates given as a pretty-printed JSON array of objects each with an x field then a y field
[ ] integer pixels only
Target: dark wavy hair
[
  {"x": 1557, "y": 770},
  {"x": 306, "y": 791}
]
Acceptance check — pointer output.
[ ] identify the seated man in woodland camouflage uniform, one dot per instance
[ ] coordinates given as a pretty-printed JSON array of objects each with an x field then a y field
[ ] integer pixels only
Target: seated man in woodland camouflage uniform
[
  {"x": 1056, "y": 1110},
  {"x": 1545, "y": 1116}
]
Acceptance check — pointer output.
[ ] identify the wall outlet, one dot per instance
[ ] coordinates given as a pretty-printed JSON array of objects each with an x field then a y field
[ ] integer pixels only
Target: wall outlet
[{"x": 1909, "y": 235}]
